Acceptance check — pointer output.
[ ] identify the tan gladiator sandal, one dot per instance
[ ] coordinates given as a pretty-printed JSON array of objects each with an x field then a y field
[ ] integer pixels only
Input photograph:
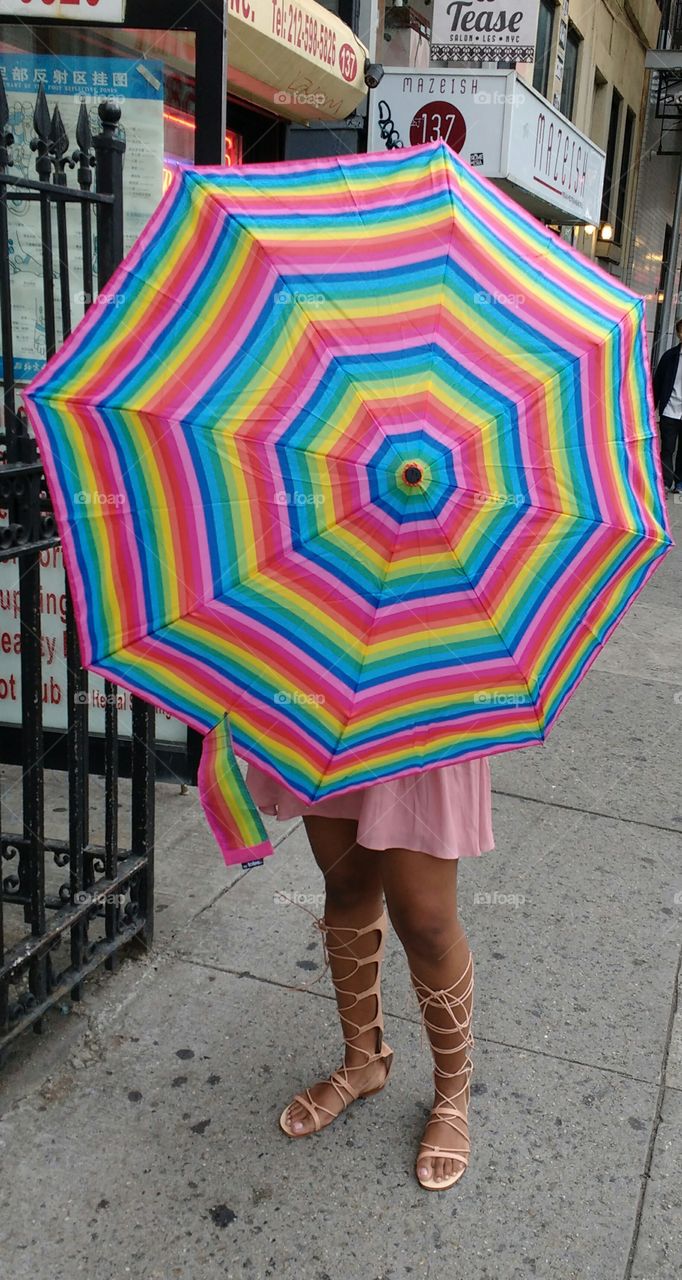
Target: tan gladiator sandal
[
  {"x": 449, "y": 1109},
  {"x": 339, "y": 1080}
]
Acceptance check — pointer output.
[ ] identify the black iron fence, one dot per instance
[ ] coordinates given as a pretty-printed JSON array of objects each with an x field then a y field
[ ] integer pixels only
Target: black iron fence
[{"x": 67, "y": 905}]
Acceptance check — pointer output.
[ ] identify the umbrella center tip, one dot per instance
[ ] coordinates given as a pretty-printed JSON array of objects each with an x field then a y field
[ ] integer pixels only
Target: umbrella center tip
[{"x": 412, "y": 474}]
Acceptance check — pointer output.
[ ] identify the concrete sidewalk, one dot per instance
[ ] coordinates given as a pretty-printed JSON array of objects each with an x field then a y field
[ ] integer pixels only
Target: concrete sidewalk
[{"x": 140, "y": 1135}]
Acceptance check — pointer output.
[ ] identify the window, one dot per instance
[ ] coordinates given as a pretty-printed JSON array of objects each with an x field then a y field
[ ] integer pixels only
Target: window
[
  {"x": 614, "y": 121},
  {"x": 599, "y": 104},
  {"x": 543, "y": 46},
  {"x": 625, "y": 160},
  {"x": 570, "y": 72}
]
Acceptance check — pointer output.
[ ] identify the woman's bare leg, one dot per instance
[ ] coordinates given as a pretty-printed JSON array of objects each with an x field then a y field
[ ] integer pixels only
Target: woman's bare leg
[
  {"x": 421, "y": 897},
  {"x": 353, "y": 899}
]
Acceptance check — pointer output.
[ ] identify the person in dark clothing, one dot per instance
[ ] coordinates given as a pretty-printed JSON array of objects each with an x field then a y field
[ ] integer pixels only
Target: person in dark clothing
[{"x": 667, "y": 384}]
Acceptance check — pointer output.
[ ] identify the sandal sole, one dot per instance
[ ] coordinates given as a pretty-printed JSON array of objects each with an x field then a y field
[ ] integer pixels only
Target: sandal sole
[{"x": 310, "y": 1133}]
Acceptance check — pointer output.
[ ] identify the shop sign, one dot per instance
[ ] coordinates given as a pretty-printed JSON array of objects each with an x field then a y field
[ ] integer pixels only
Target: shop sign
[
  {"x": 466, "y": 110},
  {"x": 499, "y": 125},
  {"x": 503, "y": 26},
  {"x": 76, "y": 10},
  {"x": 549, "y": 156}
]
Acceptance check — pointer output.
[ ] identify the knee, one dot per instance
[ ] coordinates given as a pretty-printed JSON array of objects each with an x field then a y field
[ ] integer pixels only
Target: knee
[
  {"x": 426, "y": 930},
  {"x": 347, "y": 890}
]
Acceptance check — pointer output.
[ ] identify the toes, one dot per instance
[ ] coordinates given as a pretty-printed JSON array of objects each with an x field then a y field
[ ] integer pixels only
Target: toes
[
  {"x": 296, "y": 1118},
  {"x": 436, "y": 1169}
]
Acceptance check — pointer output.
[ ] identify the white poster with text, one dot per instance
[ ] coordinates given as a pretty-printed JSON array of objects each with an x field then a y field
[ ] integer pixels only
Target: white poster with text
[
  {"x": 138, "y": 90},
  {"x": 496, "y": 24}
]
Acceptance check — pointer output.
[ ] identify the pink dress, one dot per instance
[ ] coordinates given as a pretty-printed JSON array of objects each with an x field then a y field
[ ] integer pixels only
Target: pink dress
[{"x": 446, "y": 812}]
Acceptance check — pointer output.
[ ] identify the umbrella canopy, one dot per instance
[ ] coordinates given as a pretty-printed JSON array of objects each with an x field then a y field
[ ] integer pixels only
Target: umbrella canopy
[{"x": 355, "y": 468}]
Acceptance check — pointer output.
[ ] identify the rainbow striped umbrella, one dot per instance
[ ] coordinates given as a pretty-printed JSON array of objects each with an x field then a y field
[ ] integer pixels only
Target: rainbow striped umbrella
[{"x": 355, "y": 469}]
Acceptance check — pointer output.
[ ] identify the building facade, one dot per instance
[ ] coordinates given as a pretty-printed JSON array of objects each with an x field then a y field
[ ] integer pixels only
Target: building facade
[
  {"x": 573, "y": 135},
  {"x": 594, "y": 69},
  {"x": 585, "y": 91},
  {"x": 287, "y": 62}
]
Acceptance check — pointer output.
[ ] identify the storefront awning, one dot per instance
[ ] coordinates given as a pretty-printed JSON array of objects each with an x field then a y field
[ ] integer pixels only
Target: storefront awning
[
  {"x": 500, "y": 125},
  {"x": 292, "y": 57},
  {"x": 295, "y": 58}
]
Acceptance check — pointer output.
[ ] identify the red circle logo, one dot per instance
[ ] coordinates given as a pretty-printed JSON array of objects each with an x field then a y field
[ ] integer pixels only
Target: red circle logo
[
  {"x": 439, "y": 121},
  {"x": 348, "y": 62}
]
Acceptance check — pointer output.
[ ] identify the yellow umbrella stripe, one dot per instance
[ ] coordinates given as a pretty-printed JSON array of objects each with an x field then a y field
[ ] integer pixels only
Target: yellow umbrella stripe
[
  {"x": 196, "y": 327},
  {"x": 440, "y": 637},
  {"x": 288, "y": 598},
  {"x": 133, "y": 317},
  {"x": 613, "y": 601},
  {"x": 146, "y": 475},
  {"x": 273, "y": 236},
  {"x": 479, "y": 220},
  {"x": 245, "y": 661},
  {"x": 84, "y": 476},
  {"x": 578, "y": 605},
  {"x": 242, "y": 191},
  {"x": 490, "y": 333},
  {"x": 419, "y": 706},
  {"x": 344, "y": 768}
]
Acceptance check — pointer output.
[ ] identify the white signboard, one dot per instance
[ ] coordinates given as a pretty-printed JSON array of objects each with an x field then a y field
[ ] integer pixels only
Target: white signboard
[
  {"x": 76, "y": 10},
  {"x": 53, "y": 643},
  {"x": 137, "y": 87},
  {"x": 480, "y": 27},
  {"x": 466, "y": 110},
  {"x": 549, "y": 157},
  {"x": 499, "y": 125}
]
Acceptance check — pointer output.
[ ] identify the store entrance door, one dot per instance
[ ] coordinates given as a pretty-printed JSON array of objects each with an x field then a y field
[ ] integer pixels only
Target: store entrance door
[{"x": 208, "y": 23}]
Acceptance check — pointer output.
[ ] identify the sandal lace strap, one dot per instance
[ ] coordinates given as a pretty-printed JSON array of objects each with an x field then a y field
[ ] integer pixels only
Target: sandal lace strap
[{"x": 450, "y": 1108}]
